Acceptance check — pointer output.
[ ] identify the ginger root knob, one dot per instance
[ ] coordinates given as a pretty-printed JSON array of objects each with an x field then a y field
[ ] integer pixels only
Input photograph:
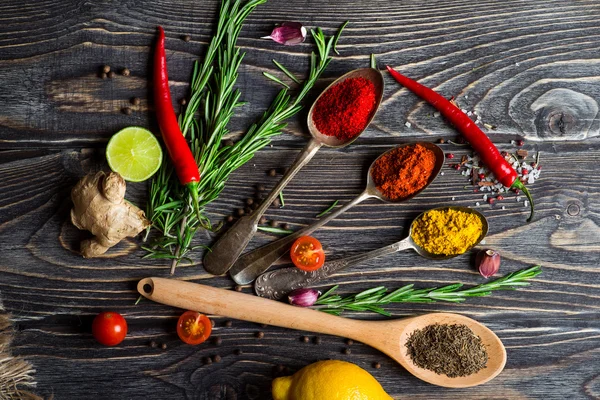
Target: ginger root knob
[{"x": 99, "y": 206}]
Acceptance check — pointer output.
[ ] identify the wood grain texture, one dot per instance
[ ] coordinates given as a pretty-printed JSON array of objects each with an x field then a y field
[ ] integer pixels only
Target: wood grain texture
[{"x": 528, "y": 67}]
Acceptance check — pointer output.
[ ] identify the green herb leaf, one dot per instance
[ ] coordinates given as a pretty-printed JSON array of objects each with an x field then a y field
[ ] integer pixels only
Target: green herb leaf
[
  {"x": 327, "y": 209},
  {"x": 274, "y": 230}
]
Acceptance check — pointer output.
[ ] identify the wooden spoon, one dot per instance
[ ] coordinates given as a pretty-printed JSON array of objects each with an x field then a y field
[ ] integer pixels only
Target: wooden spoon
[{"x": 387, "y": 336}]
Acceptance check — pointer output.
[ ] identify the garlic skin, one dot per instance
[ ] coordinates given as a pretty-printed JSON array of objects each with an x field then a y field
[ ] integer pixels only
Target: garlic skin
[
  {"x": 303, "y": 297},
  {"x": 488, "y": 262},
  {"x": 288, "y": 33}
]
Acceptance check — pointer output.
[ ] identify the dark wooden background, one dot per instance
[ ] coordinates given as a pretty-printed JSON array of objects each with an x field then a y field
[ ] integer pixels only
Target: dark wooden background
[{"x": 531, "y": 68}]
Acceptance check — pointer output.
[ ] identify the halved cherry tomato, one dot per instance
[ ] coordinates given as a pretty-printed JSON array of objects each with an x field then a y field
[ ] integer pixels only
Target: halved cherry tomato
[
  {"x": 109, "y": 328},
  {"x": 307, "y": 253},
  {"x": 193, "y": 327}
]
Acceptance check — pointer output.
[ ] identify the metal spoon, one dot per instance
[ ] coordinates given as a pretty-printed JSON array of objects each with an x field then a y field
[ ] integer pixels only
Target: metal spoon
[
  {"x": 251, "y": 265},
  {"x": 277, "y": 284},
  {"x": 388, "y": 336},
  {"x": 229, "y": 247}
]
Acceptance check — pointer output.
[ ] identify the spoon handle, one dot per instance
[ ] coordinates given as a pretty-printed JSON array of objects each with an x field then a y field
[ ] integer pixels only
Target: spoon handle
[
  {"x": 245, "y": 307},
  {"x": 251, "y": 265},
  {"x": 229, "y": 246},
  {"x": 277, "y": 284}
]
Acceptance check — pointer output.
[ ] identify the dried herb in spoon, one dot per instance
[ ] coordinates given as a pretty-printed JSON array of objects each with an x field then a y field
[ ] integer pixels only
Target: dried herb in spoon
[{"x": 452, "y": 350}]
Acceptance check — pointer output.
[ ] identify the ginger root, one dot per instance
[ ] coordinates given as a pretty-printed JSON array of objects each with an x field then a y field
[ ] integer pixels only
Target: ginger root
[{"x": 99, "y": 207}]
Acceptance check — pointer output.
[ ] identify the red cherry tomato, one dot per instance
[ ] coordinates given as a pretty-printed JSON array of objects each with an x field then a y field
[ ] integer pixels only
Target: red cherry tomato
[
  {"x": 307, "y": 253},
  {"x": 109, "y": 328},
  {"x": 193, "y": 327}
]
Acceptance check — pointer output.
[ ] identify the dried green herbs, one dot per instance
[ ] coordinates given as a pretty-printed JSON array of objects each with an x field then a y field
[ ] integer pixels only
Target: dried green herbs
[{"x": 452, "y": 350}]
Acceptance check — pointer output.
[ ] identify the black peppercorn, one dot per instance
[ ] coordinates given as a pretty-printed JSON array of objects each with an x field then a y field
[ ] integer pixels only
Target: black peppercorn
[
  {"x": 346, "y": 351},
  {"x": 441, "y": 141},
  {"x": 237, "y": 352},
  {"x": 182, "y": 101},
  {"x": 217, "y": 340},
  {"x": 263, "y": 325},
  {"x": 206, "y": 361},
  {"x": 285, "y": 226},
  {"x": 259, "y": 335},
  {"x": 186, "y": 38},
  {"x": 276, "y": 202},
  {"x": 228, "y": 324},
  {"x": 272, "y": 172},
  {"x": 273, "y": 223},
  {"x": 228, "y": 142},
  {"x": 125, "y": 72},
  {"x": 212, "y": 323},
  {"x": 239, "y": 212},
  {"x": 103, "y": 75},
  {"x": 163, "y": 346},
  {"x": 317, "y": 340},
  {"x": 349, "y": 342},
  {"x": 106, "y": 69},
  {"x": 229, "y": 218},
  {"x": 260, "y": 187},
  {"x": 217, "y": 358},
  {"x": 376, "y": 365},
  {"x": 153, "y": 344},
  {"x": 305, "y": 339},
  {"x": 126, "y": 110},
  {"x": 238, "y": 288},
  {"x": 248, "y": 210},
  {"x": 111, "y": 74},
  {"x": 262, "y": 220},
  {"x": 135, "y": 101},
  {"x": 249, "y": 201}
]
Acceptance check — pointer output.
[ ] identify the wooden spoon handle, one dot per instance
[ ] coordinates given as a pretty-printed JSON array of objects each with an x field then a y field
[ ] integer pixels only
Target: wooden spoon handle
[{"x": 210, "y": 300}]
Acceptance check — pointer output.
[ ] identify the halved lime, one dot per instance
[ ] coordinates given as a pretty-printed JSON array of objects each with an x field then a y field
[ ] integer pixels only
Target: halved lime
[{"x": 135, "y": 153}]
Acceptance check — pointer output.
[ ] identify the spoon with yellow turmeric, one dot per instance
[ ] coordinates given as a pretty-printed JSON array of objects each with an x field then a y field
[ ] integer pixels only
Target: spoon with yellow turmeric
[{"x": 438, "y": 234}]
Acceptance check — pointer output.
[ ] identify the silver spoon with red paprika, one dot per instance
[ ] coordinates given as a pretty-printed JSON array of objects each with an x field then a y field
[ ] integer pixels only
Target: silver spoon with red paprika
[{"x": 336, "y": 119}]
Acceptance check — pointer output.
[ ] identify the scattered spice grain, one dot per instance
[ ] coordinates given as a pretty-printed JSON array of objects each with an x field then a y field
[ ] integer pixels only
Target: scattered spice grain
[
  {"x": 217, "y": 340},
  {"x": 262, "y": 220},
  {"x": 163, "y": 346},
  {"x": 228, "y": 324},
  {"x": 376, "y": 365},
  {"x": 237, "y": 352},
  {"x": 186, "y": 38},
  {"x": 317, "y": 340},
  {"x": 106, "y": 69},
  {"x": 229, "y": 218},
  {"x": 272, "y": 223},
  {"x": 238, "y": 288},
  {"x": 182, "y": 101},
  {"x": 272, "y": 172},
  {"x": 349, "y": 342},
  {"x": 153, "y": 344},
  {"x": 347, "y": 351},
  {"x": 206, "y": 361},
  {"x": 126, "y": 110},
  {"x": 240, "y": 212},
  {"x": 103, "y": 75},
  {"x": 305, "y": 339},
  {"x": 111, "y": 74},
  {"x": 125, "y": 72},
  {"x": 217, "y": 358},
  {"x": 135, "y": 101},
  {"x": 259, "y": 335}
]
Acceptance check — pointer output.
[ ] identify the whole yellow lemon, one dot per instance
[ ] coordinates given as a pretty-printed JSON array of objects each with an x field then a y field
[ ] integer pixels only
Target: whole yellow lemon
[{"x": 329, "y": 380}]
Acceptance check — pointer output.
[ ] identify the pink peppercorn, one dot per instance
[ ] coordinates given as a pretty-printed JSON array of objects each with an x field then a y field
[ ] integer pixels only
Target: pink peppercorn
[{"x": 450, "y": 156}]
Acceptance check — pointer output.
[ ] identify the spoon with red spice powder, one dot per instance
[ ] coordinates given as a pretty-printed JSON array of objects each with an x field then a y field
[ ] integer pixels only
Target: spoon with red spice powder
[
  {"x": 397, "y": 175},
  {"x": 338, "y": 116}
]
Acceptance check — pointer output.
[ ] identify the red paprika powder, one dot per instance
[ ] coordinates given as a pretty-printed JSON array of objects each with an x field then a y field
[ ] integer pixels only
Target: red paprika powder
[
  {"x": 403, "y": 171},
  {"x": 344, "y": 110}
]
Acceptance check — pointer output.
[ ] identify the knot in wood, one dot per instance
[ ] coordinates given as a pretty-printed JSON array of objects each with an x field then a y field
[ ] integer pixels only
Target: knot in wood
[
  {"x": 573, "y": 209},
  {"x": 561, "y": 123}
]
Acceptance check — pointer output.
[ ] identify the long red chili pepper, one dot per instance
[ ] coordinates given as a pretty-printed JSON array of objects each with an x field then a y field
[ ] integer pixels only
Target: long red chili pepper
[
  {"x": 177, "y": 147},
  {"x": 487, "y": 151}
]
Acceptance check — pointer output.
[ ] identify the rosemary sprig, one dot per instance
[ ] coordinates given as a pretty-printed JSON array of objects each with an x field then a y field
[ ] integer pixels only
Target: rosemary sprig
[
  {"x": 373, "y": 299},
  {"x": 214, "y": 98},
  {"x": 274, "y": 230},
  {"x": 325, "y": 211}
]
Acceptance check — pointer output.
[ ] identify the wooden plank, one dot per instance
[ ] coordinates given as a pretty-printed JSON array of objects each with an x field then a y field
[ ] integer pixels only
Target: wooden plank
[
  {"x": 550, "y": 329},
  {"x": 512, "y": 62}
]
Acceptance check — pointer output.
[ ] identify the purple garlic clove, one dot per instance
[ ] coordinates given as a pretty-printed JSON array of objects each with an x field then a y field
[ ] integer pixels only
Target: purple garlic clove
[
  {"x": 303, "y": 297},
  {"x": 288, "y": 33},
  {"x": 488, "y": 262}
]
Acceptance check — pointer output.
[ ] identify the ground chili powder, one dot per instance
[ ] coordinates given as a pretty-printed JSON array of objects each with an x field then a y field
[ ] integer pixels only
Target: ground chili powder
[
  {"x": 344, "y": 110},
  {"x": 403, "y": 171}
]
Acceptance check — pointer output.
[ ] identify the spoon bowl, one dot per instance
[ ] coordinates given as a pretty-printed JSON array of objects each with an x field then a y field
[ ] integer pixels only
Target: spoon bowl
[
  {"x": 370, "y": 74},
  {"x": 424, "y": 253},
  {"x": 387, "y": 336},
  {"x": 439, "y": 163}
]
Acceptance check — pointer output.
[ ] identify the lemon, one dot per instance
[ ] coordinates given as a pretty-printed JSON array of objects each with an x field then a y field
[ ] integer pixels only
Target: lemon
[
  {"x": 134, "y": 153},
  {"x": 329, "y": 380}
]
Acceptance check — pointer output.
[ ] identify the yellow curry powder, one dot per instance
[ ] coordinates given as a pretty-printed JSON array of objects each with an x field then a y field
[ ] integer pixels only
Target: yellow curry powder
[{"x": 446, "y": 232}]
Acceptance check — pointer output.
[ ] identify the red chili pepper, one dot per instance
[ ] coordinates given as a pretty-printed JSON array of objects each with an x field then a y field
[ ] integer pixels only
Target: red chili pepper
[
  {"x": 487, "y": 151},
  {"x": 177, "y": 147}
]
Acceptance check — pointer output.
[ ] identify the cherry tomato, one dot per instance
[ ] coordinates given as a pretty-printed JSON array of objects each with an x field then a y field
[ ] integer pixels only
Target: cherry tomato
[
  {"x": 109, "y": 328},
  {"x": 193, "y": 327},
  {"x": 307, "y": 253}
]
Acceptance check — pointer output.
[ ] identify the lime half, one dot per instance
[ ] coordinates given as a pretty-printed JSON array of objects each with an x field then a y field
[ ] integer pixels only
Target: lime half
[{"x": 135, "y": 153}]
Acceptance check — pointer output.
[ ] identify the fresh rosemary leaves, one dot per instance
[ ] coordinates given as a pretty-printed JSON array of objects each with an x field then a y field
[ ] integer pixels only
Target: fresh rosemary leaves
[
  {"x": 212, "y": 103},
  {"x": 373, "y": 299}
]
